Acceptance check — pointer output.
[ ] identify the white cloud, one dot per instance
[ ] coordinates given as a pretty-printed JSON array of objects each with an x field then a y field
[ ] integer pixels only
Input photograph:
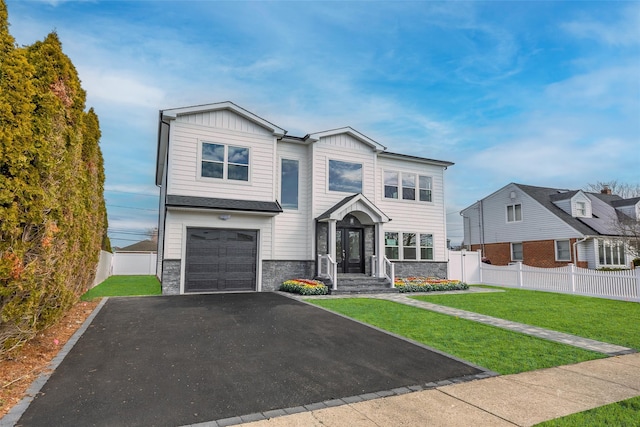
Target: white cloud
[
  {"x": 624, "y": 32},
  {"x": 120, "y": 88}
]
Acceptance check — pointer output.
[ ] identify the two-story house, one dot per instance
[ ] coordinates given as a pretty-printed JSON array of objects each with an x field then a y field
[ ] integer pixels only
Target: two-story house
[
  {"x": 550, "y": 227},
  {"x": 245, "y": 206}
]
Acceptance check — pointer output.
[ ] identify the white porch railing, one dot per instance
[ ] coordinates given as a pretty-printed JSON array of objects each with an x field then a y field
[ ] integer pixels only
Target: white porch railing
[
  {"x": 328, "y": 267},
  {"x": 388, "y": 269},
  {"x": 622, "y": 285}
]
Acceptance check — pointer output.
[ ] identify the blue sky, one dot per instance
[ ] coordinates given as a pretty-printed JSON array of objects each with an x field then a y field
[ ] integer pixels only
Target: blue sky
[{"x": 542, "y": 93}]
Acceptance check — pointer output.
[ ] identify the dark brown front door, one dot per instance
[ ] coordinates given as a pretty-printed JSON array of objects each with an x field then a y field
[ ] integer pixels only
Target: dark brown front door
[{"x": 350, "y": 250}]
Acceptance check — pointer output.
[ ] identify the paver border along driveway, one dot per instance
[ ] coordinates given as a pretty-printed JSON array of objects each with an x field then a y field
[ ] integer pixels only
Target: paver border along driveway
[{"x": 170, "y": 361}]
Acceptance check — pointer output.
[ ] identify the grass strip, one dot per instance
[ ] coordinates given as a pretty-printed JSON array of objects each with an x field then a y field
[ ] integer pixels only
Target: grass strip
[
  {"x": 499, "y": 350},
  {"x": 121, "y": 286},
  {"x": 621, "y": 414},
  {"x": 611, "y": 321}
]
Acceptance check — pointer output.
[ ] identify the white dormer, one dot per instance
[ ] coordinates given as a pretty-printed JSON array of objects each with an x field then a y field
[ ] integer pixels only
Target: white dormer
[{"x": 580, "y": 206}]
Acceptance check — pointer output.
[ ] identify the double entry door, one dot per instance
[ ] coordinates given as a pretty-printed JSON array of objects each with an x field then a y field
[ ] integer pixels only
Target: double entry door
[{"x": 350, "y": 250}]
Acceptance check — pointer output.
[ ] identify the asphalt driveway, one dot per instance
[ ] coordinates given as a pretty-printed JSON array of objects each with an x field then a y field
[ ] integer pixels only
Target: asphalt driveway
[{"x": 171, "y": 361}]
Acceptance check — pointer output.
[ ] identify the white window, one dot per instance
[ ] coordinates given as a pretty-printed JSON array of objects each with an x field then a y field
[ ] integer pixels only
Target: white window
[
  {"x": 224, "y": 162},
  {"x": 516, "y": 252},
  {"x": 425, "y": 188},
  {"x": 390, "y": 185},
  {"x": 345, "y": 176},
  {"x": 391, "y": 245},
  {"x": 426, "y": 246},
  {"x": 289, "y": 183},
  {"x": 409, "y": 246},
  {"x": 563, "y": 250},
  {"x": 611, "y": 253},
  {"x": 581, "y": 209},
  {"x": 514, "y": 213}
]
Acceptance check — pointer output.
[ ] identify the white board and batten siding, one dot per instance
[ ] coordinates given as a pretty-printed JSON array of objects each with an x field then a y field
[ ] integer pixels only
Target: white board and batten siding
[
  {"x": 344, "y": 148},
  {"x": 185, "y": 154},
  {"x": 294, "y": 227},
  {"x": 537, "y": 222},
  {"x": 411, "y": 216}
]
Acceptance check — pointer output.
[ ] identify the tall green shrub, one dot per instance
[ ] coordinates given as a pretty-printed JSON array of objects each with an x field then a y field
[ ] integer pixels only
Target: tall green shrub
[{"x": 52, "y": 210}]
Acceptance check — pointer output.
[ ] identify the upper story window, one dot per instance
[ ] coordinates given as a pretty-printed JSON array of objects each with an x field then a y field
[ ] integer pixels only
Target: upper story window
[
  {"x": 345, "y": 176},
  {"x": 224, "y": 162},
  {"x": 289, "y": 183},
  {"x": 514, "y": 213},
  {"x": 414, "y": 186},
  {"x": 581, "y": 209},
  {"x": 390, "y": 184}
]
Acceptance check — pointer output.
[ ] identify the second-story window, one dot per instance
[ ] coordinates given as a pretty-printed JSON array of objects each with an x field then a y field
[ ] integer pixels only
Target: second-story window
[
  {"x": 390, "y": 184},
  {"x": 345, "y": 176},
  {"x": 412, "y": 186},
  {"x": 408, "y": 186},
  {"x": 514, "y": 213},
  {"x": 581, "y": 209},
  {"x": 425, "y": 188},
  {"x": 289, "y": 184},
  {"x": 224, "y": 162}
]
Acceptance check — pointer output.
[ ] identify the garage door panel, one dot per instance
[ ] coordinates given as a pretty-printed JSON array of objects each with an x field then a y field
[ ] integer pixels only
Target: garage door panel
[{"x": 220, "y": 260}]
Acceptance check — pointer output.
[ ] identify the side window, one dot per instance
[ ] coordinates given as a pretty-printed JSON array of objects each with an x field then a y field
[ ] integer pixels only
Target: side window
[
  {"x": 563, "y": 250},
  {"x": 516, "y": 252},
  {"x": 224, "y": 162},
  {"x": 345, "y": 176},
  {"x": 289, "y": 183},
  {"x": 425, "y": 188},
  {"x": 426, "y": 246}
]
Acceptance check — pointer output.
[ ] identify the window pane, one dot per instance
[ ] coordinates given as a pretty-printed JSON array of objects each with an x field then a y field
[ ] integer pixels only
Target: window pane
[
  {"x": 518, "y": 209},
  {"x": 391, "y": 245},
  {"x": 563, "y": 250},
  {"x": 344, "y": 176},
  {"x": 426, "y": 253},
  {"x": 212, "y": 170},
  {"x": 238, "y": 173},
  {"x": 391, "y": 253},
  {"x": 391, "y": 185},
  {"x": 510, "y": 213},
  {"x": 212, "y": 152},
  {"x": 289, "y": 184},
  {"x": 238, "y": 155},
  {"x": 425, "y": 188},
  {"x": 516, "y": 251},
  {"x": 409, "y": 245},
  {"x": 408, "y": 186}
]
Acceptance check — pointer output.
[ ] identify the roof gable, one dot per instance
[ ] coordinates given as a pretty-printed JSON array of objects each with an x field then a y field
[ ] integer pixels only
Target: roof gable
[
  {"x": 351, "y": 204},
  {"x": 376, "y": 146}
]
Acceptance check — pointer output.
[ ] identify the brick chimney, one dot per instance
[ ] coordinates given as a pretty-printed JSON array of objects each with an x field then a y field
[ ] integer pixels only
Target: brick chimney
[{"x": 605, "y": 190}]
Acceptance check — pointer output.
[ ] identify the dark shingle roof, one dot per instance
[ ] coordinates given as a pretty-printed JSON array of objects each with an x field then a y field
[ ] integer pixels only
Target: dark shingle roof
[
  {"x": 142, "y": 246},
  {"x": 226, "y": 204}
]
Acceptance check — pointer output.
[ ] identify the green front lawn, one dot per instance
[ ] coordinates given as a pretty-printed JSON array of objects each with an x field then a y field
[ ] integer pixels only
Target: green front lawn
[
  {"x": 497, "y": 349},
  {"x": 122, "y": 286},
  {"x": 615, "y": 322},
  {"x": 620, "y": 414}
]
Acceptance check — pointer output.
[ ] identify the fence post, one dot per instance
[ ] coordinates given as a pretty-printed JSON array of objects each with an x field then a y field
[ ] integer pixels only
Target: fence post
[
  {"x": 520, "y": 280},
  {"x": 572, "y": 277}
]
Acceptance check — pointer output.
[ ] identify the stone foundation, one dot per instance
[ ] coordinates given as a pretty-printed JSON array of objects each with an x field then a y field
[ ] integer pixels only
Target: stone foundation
[
  {"x": 274, "y": 272},
  {"x": 171, "y": 276},
  {"x": 420, "y": 268}
]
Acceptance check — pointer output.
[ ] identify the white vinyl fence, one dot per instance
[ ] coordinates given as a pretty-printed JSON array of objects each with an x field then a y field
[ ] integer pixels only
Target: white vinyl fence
[
  {"x": 464, "y": 266},
  {"x": 133, "y": 263},
  {"x": 622, "y": 285}
]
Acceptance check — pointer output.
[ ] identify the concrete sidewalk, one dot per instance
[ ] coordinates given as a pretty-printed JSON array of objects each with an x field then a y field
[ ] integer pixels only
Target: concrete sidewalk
[{"x": 521, "y": 399}]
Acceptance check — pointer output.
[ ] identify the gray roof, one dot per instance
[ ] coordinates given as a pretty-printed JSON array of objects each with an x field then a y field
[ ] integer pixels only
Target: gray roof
[
  {"x": 225, "y": 204},
  {"x": 601, "y": 204},
  {"x": 625, "y": 202},
  {"x": 337, "y": 206},
  {"x": 142, "y": 246}
]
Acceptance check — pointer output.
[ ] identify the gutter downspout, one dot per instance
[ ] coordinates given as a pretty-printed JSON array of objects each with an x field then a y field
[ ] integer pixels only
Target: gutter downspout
[{"x": 575, "y": 248}]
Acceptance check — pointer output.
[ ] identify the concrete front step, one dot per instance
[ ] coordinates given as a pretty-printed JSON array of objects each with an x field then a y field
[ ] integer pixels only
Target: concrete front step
[{"x": 362, "y": 284}]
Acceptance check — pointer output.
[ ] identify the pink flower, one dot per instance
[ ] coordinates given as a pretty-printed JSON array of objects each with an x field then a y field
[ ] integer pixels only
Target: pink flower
[{"x": 55, "y": 341}]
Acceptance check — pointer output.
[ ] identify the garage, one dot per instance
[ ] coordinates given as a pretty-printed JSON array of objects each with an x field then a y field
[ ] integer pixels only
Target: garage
[{"x": 220, "y": 260}]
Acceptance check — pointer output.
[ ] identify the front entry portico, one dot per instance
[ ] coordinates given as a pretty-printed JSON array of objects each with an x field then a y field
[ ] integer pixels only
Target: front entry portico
[{"x": 350, "y": 235}]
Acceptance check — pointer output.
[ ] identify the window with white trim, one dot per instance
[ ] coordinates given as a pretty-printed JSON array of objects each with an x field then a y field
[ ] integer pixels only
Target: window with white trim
[
  {"x": 563, "y": 250},
  {"x": 409, "y": 246},
  {"x": 426, "y": 246},
  {"x": 345, "y": 176},
  {"x": 224, "y": 162},
  {"x": 412, "y": 186},
  {"x": 516, "y": 252},
  {"x": 581, "y": 209},
  {"x": 611, "y": 253},
  {"x": 391, "y": 245},
  {"x": 289, "y": 183},
  {"x": 514, "y": 213}
]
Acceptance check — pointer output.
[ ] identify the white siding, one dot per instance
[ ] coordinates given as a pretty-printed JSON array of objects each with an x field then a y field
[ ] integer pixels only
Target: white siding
[
  {"x": 471, "y": 224},
  {"x": 537, "y": 222},
  {"x": 580, "y": 197},
  {"x": 224, "y": 119},
  {"x": 294, "y": 228},
  {"x": 411, "y": 215},
  {"x": 184, "y": 179}
]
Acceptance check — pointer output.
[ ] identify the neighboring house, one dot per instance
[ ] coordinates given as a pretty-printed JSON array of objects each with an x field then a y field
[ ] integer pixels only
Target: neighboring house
[
  {"x": 244, "y": 206},
  {"x": 141, "y": 246},
  {"x": 549, "y": 227}
]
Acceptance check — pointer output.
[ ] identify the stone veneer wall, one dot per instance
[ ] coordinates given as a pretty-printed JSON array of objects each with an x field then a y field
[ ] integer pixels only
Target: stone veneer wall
[
  {"x": 171, "y": 276},
  {"x": 274, "y": 272},
  {"x": 420, "y": 268}
]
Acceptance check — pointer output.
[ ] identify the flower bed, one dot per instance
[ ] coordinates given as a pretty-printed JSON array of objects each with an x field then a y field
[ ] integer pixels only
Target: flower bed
[
  {"x": 428, "y": 284},
  {"x": 304, "y": 287}
]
